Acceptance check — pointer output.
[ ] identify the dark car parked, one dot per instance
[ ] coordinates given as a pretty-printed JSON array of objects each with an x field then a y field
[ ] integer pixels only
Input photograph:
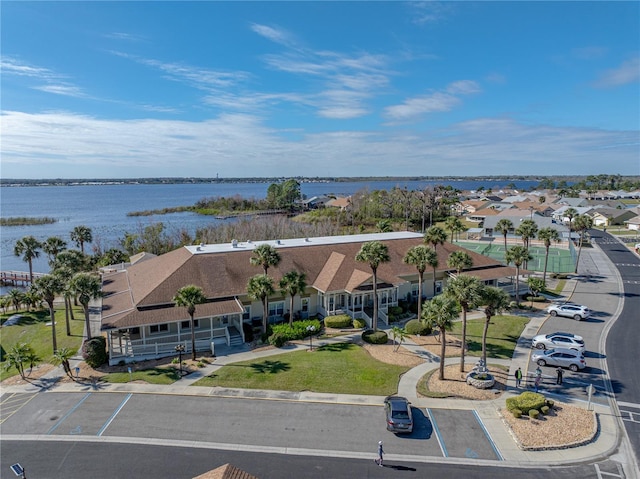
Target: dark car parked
[{"x": 398, "y": 414}]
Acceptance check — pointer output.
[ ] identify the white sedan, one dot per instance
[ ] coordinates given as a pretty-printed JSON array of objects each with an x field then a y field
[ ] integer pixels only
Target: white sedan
[
  {"x": 569, "y": 310},
  {"x": 559, "y": 340}
]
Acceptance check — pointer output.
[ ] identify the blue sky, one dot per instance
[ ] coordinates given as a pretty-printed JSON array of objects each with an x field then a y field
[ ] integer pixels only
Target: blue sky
[{"x": 243, "y": 89}]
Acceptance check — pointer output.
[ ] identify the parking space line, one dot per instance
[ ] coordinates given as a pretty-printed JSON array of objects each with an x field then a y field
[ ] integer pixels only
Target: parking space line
[
  {"x": 486, "y": 433},
  {"x": 115, "y": 413},
  {"x": 8, "y": 404},
  {"x": 55, "y": 426},
  {"x": 443, "y": 448}
]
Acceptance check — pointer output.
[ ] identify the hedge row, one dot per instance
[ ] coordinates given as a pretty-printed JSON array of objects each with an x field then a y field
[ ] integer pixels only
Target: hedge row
[
  {"x": 375, "y": 337},
  {"x": 281, "y": 333},
  {"x": 338, "y": 321}
]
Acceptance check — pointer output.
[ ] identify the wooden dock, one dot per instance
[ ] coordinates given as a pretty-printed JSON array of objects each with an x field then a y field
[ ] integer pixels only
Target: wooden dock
[{"x": 17, "y": 278}]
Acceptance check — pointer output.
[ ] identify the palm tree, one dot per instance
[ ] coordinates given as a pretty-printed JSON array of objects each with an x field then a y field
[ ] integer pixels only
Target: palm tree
[
  {"x": 29, "y": 248},
  {"x": 517, "y": 255},
  {"x": 399, "y": 335},
  {"x": 86, "y": 287},
  {"x": 465, "y": 290},
  {"x": 440, "y": 313},
  {"x": 495, "y": 301},
  {"x": 420, "y": 256},
  {"x": 374, "y": 253},
  {"x": 81, "y": 235},
  {"x": 547, "y": 235},
  {"x": 434, "y": 236},
  {"x": 16, "y": 297},
  {"x": 527, "y": 230},
  {"x": 291, "y": 284},
  {"x": 503, "y": 227},
  {"x": 265, "y": 255},
  {"x": 260, "y": 287},
  {"x": 583, "y": 223},
  {"x": 536, "y": 285},
  {"x": 48, "y": 287},
  {"x": 66, "y": 275},
  {"x": 62, "y": 356},
  {"x": 453, "y": 224},
  {"x": 459, "y": 260},
  {"x": 52, "y": 247},
  {"x": 384, "y": 226},
  {"x": 570, "y": 213},
  {"x": 189, "y": 296}
]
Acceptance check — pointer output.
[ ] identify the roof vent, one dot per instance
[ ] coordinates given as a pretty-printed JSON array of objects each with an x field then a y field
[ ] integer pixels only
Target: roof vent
[
  {"x": 201, "y": 245},
  {"x": 198, "y": 248},
  {"x": 278, "y": 242},
  {"x": 249, "y": 241},
  {"x": 234, "y": 243},
  {"x": 307, "y": 240}
]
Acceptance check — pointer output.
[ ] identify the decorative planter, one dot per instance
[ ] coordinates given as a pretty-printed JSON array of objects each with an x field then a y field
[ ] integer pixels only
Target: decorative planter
[{"x": 480, "y": 380}]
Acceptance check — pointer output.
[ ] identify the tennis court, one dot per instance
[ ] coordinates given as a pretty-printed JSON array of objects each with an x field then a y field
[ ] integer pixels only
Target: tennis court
[{"x": 561, "y": 260}]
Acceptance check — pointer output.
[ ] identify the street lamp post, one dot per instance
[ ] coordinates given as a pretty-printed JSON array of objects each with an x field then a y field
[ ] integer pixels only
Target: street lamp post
[
  {"x": 311, "y": 330},
  {"x": 180, "y": 350}
]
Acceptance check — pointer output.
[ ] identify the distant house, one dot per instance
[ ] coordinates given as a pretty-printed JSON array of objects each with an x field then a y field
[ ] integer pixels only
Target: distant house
[
  {"x": 315, "y": 202},
  {"x": 605, "y": 216},
  {"x": 140, "y": 320},
  {"x": 489, "y": 226},
  {"x": 341, "y": 202}
]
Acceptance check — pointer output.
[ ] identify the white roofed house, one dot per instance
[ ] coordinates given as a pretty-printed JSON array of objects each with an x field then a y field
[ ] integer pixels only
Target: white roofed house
[
  {"x": 141, "y": 321},
  {"x": 605, "y": 216}
]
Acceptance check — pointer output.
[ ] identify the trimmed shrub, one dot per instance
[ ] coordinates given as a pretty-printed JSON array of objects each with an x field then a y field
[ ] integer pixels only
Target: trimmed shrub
[
  {"x": 525, "y": 402},
  {"x": 359, "y": 323},
  {"x": 550, "y": 403},
  {"x": 417, "y": 327},
  {"x": 277, "y": 339},
  {"x": 94, "y": 351},
  {"x": 338, "y": 321},
  {"x": 375, "y": 337},
  {"x": 395, "y": 310},
  {"x": 544, "y": 409},
  {"x": 534, "y": 413},
  {"x": 517, "y": 413}
]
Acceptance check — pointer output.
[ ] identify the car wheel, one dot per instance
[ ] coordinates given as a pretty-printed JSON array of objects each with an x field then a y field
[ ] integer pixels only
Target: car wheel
[
  {"x": 574, "y": 368},
  {"x": 542, "y": 362},
  {"x": 577, "y": 317},
  {"x": 540, "y": 346},
  {"x": 554, "y": 313}
]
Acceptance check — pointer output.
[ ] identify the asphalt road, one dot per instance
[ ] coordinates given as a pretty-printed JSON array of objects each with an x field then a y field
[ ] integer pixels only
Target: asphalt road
[
  {"x": 82, "y": 460},
  {"x": 622, "y": 341}
]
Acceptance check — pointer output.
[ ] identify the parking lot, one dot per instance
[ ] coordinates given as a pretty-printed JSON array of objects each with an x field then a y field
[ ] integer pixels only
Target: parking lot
[{"x": 228, "y": 423}]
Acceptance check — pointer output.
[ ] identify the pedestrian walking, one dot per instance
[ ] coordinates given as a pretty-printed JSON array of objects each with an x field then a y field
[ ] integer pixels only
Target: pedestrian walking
[
  {"x": 538, "y": 372},
  {"x": 378, "y": 461},
  {"x": 518, "y": 377},
  {"x": 537, "y": 382},
  {"x": 559, "y": 372}
]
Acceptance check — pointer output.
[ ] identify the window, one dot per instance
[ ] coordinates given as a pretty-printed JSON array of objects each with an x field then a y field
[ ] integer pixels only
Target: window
[
  {"x": 276, "y": 308},
  {"x": 414, "y": 290},
  {"x": 305, "y": 304},
  {"x": 159, "y": 328},
  {"x": 246, "y": 316},
  {"x": 438, "y": 287},
  {"x": 187, "y": 324}
]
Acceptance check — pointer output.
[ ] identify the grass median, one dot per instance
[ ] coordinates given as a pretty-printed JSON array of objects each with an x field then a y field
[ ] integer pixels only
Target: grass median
[{"x": 342, "y": 368}]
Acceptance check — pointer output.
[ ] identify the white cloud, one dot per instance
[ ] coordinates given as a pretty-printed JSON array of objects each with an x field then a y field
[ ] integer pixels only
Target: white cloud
[
  {"x": 439, "y": 101},
  {"x": 628, "y": 72},
  {"x": 65, "y": 90},
  {"x": 430, "y": 12},
  {"x": 66, "y": 145},
  {"x": 277, "y": 35}
]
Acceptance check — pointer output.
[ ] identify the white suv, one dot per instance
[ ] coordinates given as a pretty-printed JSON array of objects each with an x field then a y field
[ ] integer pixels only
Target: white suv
[
  {"x": 569, "y": 310},
  {"x": 559, "y": 340}
]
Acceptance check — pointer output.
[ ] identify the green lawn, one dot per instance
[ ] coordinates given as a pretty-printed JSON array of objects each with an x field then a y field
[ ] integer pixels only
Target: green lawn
[
  {"x": 33, "y": 330},
  {"x": 341, "y": 368},
  {"x": 167, "y": 375},
  {"x": 502, "y": 336}
]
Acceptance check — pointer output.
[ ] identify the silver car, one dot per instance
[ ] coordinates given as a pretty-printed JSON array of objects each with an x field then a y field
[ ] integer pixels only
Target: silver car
[
  {"x": 559, "y": 340},
  {"x": 569, "y": 310},
  {"x": 564, "y": 358}
]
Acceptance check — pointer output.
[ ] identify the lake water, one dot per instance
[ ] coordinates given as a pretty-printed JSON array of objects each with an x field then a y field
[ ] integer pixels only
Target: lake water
[{"x": 104, "y": 208}]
